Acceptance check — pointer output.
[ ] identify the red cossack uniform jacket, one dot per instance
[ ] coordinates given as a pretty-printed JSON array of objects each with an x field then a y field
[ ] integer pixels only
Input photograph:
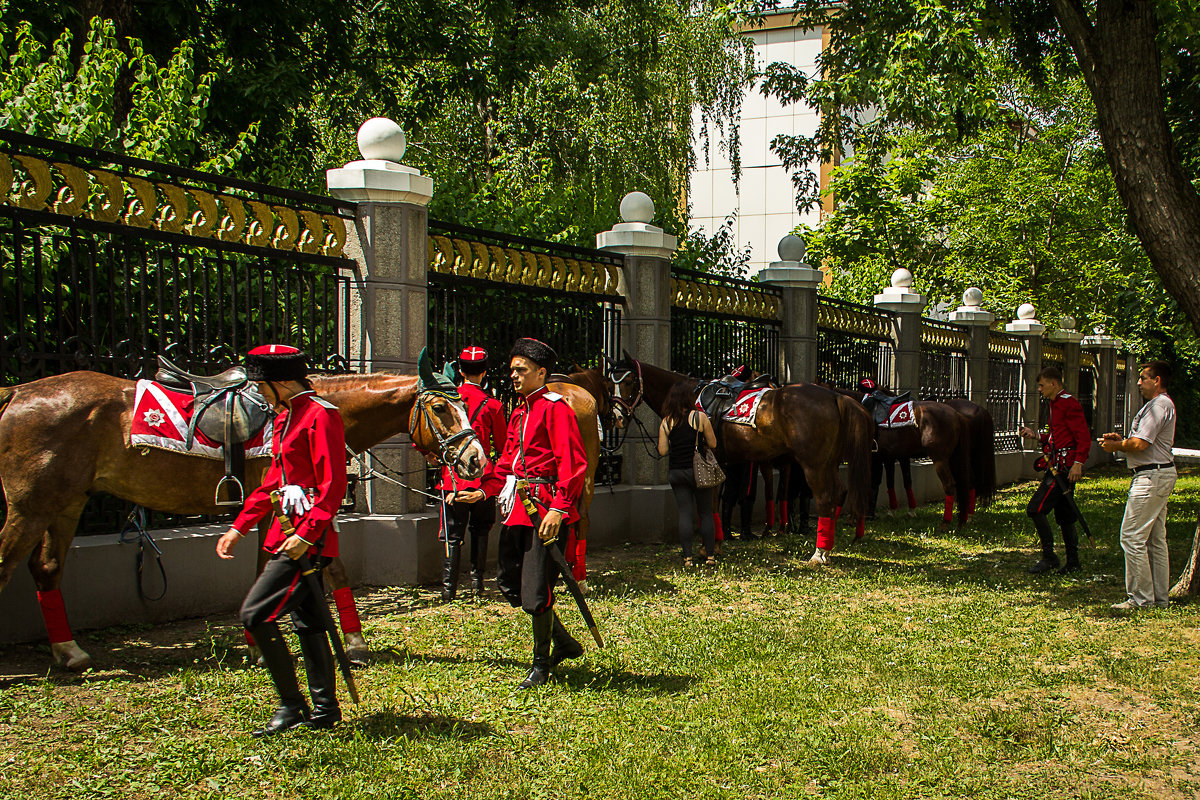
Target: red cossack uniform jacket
[
  {"x": 308, "y": 450},
  {"x": 487, "y": 419},
  {"x": 1067, "y": 434},
  {"x": 543, "y": 442}
]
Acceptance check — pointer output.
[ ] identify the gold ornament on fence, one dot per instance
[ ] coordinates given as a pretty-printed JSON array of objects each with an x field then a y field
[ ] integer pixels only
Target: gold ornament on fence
[{"x": 103, "y": 195}]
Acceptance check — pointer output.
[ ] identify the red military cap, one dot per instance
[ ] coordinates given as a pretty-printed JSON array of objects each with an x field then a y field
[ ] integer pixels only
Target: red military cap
[
  {"x": 472, "y": 359},
  {"x": 276, "y": 362},
  {"x": 866, "y": 384}
]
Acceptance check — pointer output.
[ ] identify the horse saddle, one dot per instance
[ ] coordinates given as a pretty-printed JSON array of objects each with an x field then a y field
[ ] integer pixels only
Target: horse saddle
[
  {"x": 880, "y": 404},
  {"x": 227, "y": 410},
  {"x": 717, "y": 397}
]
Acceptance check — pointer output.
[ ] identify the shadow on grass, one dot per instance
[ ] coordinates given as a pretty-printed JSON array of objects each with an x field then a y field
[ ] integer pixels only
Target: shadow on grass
[
  {"x": 622, "y": 681},
  {"x": 389, "y": 725}
]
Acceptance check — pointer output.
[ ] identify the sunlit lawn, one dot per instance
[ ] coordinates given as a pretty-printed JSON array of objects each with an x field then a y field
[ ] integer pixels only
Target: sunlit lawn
[{"x": 916, "y": 665}]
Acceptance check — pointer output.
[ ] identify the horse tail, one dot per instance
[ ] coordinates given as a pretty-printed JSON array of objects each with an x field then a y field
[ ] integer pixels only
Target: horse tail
[
  {"x": 983, "y": 457},
  {"x": 859, "y": 434}
]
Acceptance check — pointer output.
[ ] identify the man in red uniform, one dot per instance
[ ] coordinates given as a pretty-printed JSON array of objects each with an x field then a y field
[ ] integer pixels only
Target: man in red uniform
[
  {"x": 308, "y": 467},
  {"x": 544, "y": 456},
  {"x": 1067, "y": 443},
  {"x": 487, "y": 418}
]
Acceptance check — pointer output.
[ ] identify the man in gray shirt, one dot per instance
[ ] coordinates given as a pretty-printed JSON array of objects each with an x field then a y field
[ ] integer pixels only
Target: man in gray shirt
[{"x": 1144, "y": 527}]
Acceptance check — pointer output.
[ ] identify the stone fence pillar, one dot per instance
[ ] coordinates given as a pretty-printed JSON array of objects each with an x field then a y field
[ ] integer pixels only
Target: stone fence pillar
[
  {"x": 388, "y": 299},
  {"x": 1030, "y": 330},
  {"x": 979, "y": 322},
  {"x": 798, "y": 339},
  {"x": 646, "y": 325},
  {"x": 908, "y": 307},
  {"x": 1070, "y": 339}
]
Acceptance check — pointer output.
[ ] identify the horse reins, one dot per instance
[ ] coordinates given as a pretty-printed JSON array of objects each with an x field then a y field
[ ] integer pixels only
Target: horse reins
[{"x": 466, "y": 436}]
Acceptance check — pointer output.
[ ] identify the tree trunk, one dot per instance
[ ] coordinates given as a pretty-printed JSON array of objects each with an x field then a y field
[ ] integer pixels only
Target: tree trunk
[
  {"x": 1188, "y": 584},
  {"x": 1119, "y": 57}
]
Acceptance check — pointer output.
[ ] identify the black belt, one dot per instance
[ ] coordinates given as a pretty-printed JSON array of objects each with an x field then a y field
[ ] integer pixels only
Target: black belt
[
  {"x": 1145, "y": 467},
  {"x": 539, "y": 481}
]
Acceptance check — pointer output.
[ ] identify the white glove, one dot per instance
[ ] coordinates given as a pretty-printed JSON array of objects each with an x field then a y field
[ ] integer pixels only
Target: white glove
[
  {"x": 294, "y": 501},
  {"x": 508, "y": 495}
]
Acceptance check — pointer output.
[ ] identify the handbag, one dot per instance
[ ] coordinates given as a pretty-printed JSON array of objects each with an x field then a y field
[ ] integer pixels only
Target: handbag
[{"x": 705, "y": 469}]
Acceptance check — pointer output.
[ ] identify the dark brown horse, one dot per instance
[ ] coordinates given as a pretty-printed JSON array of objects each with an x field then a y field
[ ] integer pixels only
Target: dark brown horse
[
  {"x": 66, "y": 437},
  {"x": 949, "y": 438},
  {"x": 817, "y": 427}
]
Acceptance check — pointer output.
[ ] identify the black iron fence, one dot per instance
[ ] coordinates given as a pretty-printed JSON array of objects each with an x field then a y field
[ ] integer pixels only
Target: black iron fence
[
  {"x": 854, "y": 342},
  {"x": 944, "y": 348},
  {"x": 1121, "y": 399},
  {"x": 108, "y": 261},
  {"x": 720, "y": 323},
  {"x": 1087, "y": 386},
  {"x": 488, "y": 289},
  {"x": 1005, "y": 394}
]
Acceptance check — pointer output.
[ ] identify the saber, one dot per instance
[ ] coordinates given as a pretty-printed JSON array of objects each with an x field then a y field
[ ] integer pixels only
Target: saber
[
  {"x": 1062, "y": 487},
  {"x": 556, "y": 554},
  {"x": 309, "y": 573}
]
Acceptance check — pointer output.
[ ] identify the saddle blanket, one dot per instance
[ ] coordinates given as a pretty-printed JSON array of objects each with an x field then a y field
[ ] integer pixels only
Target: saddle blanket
[
  {"x": 745, "y": 408},
  {"x": 901, "y": 415},
  {"x": 161, "y": 417}
]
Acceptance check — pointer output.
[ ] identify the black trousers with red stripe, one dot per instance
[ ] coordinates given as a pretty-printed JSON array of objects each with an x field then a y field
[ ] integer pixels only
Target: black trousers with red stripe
[
  {"x": 1049, "y": 496},
  {"x": 280, "y": 590},
  {"x": 527, "y": 573}
]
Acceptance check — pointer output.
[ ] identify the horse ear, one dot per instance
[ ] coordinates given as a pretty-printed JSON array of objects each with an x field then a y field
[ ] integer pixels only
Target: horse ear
[
  {"x": 450, "y": 373},
  {"x": 628, "y": 358},
  {"x": 425, "y": 370}
]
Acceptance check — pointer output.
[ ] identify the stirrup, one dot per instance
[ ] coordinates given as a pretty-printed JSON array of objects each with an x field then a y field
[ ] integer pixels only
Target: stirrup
[{"x": 217, "y": 501}]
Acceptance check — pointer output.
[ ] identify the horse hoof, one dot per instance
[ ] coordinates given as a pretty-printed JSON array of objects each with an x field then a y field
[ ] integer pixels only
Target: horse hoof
[
  {"x": 583, "y": 588},
  {"x": 912, "y": 513},
  {"x": 820, "y": 557},
  {"x": 70, "y": 656},
  {"x": 357, "y": 652}
]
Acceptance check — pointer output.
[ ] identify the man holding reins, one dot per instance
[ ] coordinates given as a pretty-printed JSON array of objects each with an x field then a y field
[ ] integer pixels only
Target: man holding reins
[
  {"x": 1067, "y": 443},
  {"x": 308, "y": 469},
  {"x": 543, "y": 461}
]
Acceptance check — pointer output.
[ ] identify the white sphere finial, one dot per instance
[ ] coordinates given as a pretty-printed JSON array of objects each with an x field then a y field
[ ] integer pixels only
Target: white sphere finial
[
  {"x": 383, "y": 139},
  {"x": 902, "y": 279},
  {"x": 1067, "y": 323},
  {"x": 792, "y": 248},
  {"x": 973, "y": 297},
  {"x": 637, "y": 207},
  {"x": 1026, "y": 311}
]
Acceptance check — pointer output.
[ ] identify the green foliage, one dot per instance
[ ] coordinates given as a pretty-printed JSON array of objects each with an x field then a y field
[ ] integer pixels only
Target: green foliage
[{"x": 47, "y": 91}]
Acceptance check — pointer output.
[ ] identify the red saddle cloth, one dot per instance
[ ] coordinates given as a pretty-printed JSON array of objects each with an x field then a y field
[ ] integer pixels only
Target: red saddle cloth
[
  {"x": 161, "y": 417},
  {"x": 745, "y": 408}
]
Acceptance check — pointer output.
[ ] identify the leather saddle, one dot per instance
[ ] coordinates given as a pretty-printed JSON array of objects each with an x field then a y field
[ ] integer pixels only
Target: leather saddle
[
  {"x": 227, "y": 410},
  {"x": 880, "y": 404},
  {"x": 717, "y": 397}
]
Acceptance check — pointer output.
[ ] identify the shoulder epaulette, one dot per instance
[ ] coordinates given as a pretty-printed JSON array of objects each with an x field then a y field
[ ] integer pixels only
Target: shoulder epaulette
[
  {"x": 321, "y": 401},
  {"x": 1064, "y": 395},
  {"x": 553, "y": 397}
]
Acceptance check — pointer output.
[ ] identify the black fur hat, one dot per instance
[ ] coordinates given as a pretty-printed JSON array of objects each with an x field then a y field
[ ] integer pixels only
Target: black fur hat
[
  {"x": 276, "y": 362},
  {"x": 537, "y": 352}
]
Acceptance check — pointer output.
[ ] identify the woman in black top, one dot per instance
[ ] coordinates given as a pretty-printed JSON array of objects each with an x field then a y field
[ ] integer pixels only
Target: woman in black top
[{"x": 683, "y": 429}]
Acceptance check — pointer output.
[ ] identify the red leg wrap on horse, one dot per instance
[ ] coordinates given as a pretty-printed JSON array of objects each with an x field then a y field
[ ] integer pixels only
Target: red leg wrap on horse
[
  {"x": 825, "y": 532},
  {"x": 249, "y": 638},
  {"x": 347, "y": 611},
  {"x": 717, "y": 529},
  {"x": 784, "y": 517},
  {"x": 971, "y": 502},
  {"x": 54, "y": 613},
  {"x": 893, "y": 503},
  {"x": 580, "y": 568},
  {"x": 861, "y": 530},
  {"x": 948, "y": 514},
  {"x": 912, "y": 498},
  {"x": 770, "y": 513},
  {"x": 569, "y": 548}
]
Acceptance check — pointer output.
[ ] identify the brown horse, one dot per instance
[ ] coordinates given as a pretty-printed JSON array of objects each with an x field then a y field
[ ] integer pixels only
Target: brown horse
[
  {"x": 815, "y": 426},
  {"x": 947, "y": 437},
  {"x": 66, "y": 437}
]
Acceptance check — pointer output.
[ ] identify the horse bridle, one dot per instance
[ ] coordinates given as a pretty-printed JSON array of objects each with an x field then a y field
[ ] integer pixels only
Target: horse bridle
[
  {"x": 616, "y": 398},
  {"x": 464, "y": 438}
]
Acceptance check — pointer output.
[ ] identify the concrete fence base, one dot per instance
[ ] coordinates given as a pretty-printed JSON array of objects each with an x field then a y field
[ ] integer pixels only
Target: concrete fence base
[{"x": 100, "y": 583}]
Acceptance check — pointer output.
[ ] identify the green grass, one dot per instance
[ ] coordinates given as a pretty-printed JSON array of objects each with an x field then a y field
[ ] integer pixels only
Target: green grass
[{"x": 916, "y": 665}]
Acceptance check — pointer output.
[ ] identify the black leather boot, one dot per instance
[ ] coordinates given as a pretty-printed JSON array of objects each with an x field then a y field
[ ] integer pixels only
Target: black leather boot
[
  {"x": 277, "y": 658},
  {"x": 450, "y": 569},
  {"x": 322, "y": 681},
  {"x": 543, "y": 633},
  {"x": 1071, "y": 543},
  {"x": 1048, "y": 561},
  {"x": 479, "y": 545},
  {"x": 565, "y": 645}
]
